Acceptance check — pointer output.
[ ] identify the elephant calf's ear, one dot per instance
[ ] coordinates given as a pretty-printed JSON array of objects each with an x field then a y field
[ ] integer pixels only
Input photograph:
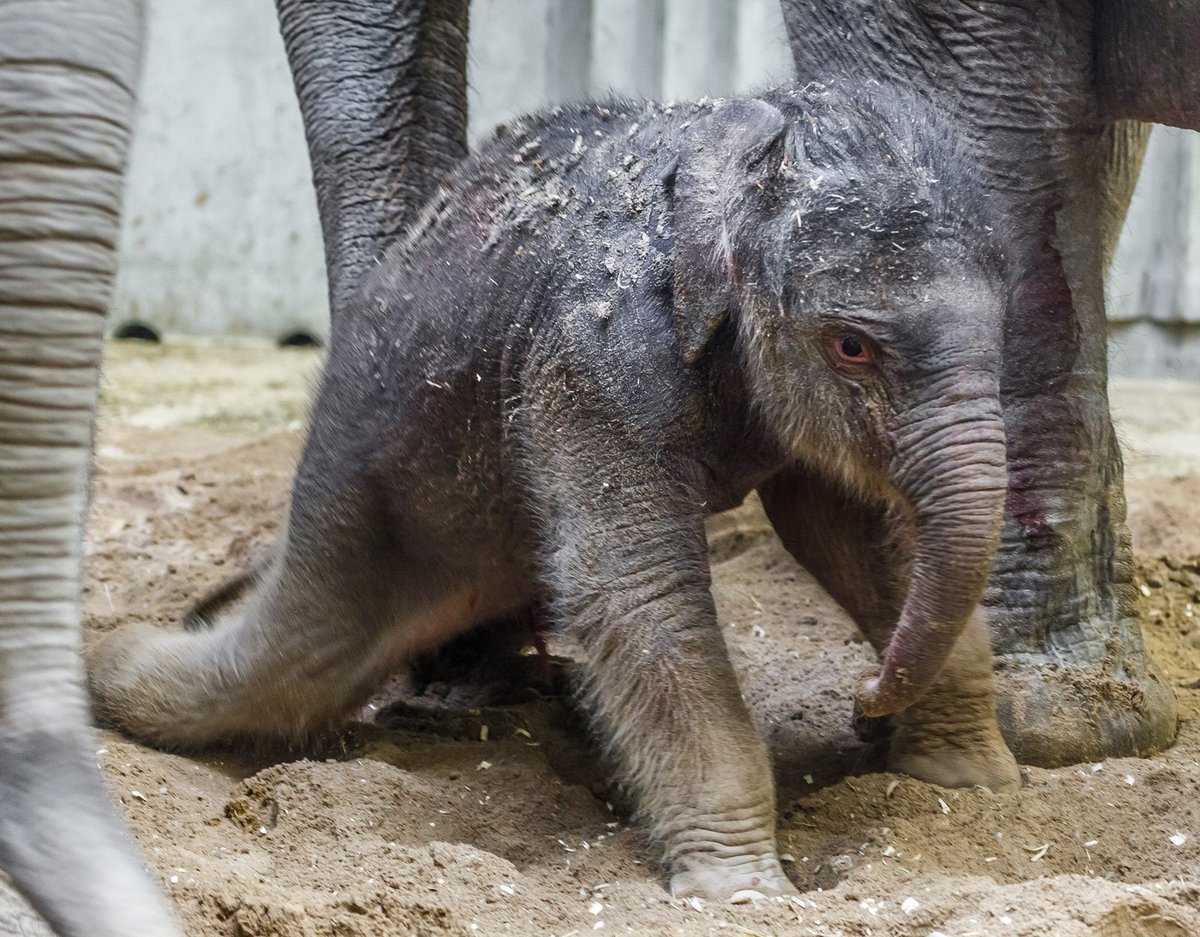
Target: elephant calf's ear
[{"x": 723, "y": 163}]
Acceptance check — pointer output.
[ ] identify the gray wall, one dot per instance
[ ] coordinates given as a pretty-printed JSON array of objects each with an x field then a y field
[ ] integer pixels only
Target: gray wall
[
  {"x": 1154, "y": 286},
  {"x": 220, "y": 232}
]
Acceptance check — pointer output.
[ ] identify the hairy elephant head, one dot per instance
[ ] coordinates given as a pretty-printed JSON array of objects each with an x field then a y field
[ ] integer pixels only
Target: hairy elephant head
[{"x": 844, "y": 242}]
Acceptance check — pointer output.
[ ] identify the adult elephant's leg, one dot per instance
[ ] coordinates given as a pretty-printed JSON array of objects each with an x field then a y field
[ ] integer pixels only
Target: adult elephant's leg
[
  {"x": 1074, "y": 679},
  {"x": 382, "y": 88},
  {"x": 1076, "y": 683},
  {"x": 67, "y": 74},
  {"x": 1146, "y": 64}
]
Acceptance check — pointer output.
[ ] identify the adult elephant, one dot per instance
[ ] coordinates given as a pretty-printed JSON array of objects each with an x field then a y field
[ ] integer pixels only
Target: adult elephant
[
  {"x": 384, "y": 92},
  {"x": 1054, "y": 97}
]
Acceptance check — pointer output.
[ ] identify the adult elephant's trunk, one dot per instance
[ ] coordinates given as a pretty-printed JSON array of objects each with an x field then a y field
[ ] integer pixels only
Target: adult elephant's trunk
[
  {"x": 68, "y": 73},
  {"x": 951, "y": 473}
]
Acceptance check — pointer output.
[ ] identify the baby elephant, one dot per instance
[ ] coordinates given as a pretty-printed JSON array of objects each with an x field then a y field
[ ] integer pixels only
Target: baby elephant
[{"x": 611, "y": 322}]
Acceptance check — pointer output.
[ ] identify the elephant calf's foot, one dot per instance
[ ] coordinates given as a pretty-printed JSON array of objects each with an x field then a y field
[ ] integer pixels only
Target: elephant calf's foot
[
  {"x": 948, "y": 740},
  {"x": 951, "y": 736},
  {"x": 723, "y": 878},
  {"x": 954, "y": 743},
  {"x": 726, "y": 856},
  {"x": 993, "y": 767}
]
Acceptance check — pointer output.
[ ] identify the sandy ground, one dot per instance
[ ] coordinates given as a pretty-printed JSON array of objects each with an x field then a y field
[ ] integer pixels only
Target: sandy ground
[{"x": 414, "y": 824}]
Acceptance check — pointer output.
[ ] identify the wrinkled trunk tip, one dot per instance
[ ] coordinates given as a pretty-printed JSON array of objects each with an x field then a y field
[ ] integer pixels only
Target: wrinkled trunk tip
[{"x": 884, "y": 694}]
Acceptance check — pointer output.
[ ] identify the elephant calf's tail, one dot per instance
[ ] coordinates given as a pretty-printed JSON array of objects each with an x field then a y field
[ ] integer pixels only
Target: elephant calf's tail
[{"x": 205, "y": 609}]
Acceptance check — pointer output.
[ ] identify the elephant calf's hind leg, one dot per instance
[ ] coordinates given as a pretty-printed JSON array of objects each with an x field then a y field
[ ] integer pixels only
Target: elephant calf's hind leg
[{"x": 322, "y": 629}]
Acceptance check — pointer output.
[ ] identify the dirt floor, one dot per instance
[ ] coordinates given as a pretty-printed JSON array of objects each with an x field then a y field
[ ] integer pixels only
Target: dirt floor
[{"x": 502, "y": 821}]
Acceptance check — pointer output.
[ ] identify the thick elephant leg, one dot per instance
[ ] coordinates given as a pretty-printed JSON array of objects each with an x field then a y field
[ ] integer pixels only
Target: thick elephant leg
[
  {"x": 67, "y": 75},
  {"x": 383, "y": 92},
  {"x": 950, "y": 736},
  {"x": 1074, "y": 680}
]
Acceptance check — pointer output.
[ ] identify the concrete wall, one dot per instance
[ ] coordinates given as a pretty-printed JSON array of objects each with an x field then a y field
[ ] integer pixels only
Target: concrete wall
[
  {"x": 221, "y": 234},
  {"x": 1154, "y": 285}
]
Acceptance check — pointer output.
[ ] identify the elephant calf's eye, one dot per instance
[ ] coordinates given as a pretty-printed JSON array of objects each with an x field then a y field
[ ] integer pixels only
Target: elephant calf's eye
[{"x": 852, "y": 349}]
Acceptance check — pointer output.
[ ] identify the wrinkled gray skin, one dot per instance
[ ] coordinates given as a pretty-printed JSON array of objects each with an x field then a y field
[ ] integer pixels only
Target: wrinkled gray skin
[
  {"x": 1047, "y": 93},
  {"x": 68, "y": 70},
  {"x": 611, "y": 322},
  {"x": 1050, "y": 90}
]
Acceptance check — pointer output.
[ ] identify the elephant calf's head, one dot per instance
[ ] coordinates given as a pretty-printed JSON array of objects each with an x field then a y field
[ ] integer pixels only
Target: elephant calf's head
[{"x": 850, "y": 246}]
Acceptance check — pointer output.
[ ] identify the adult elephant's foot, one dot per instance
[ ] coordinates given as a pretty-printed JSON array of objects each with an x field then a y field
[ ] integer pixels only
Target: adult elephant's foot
[
  {"x": 1067, "y": 708},
  {"x": 730, "y": 879},
  {"x": 1073, "y": 676},
  {"x": 63, "y": 845}
]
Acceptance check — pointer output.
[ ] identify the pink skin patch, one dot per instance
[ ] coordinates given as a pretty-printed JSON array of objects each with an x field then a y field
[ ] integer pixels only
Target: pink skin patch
[{"x": 1026, "y": 511}]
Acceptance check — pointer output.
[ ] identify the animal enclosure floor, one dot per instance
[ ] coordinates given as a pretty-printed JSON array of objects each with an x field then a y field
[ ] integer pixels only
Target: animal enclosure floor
[{"x": 428, "y": 824}]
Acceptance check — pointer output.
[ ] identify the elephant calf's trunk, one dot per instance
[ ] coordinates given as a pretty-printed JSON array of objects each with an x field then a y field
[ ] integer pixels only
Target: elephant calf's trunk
[{"x": 957, "y": 518}]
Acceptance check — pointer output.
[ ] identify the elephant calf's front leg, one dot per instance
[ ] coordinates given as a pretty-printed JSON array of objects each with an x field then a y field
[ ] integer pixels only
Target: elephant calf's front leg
[
  {"x": 950, "y": 736},
  {"x": 633, "y": 583}
]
